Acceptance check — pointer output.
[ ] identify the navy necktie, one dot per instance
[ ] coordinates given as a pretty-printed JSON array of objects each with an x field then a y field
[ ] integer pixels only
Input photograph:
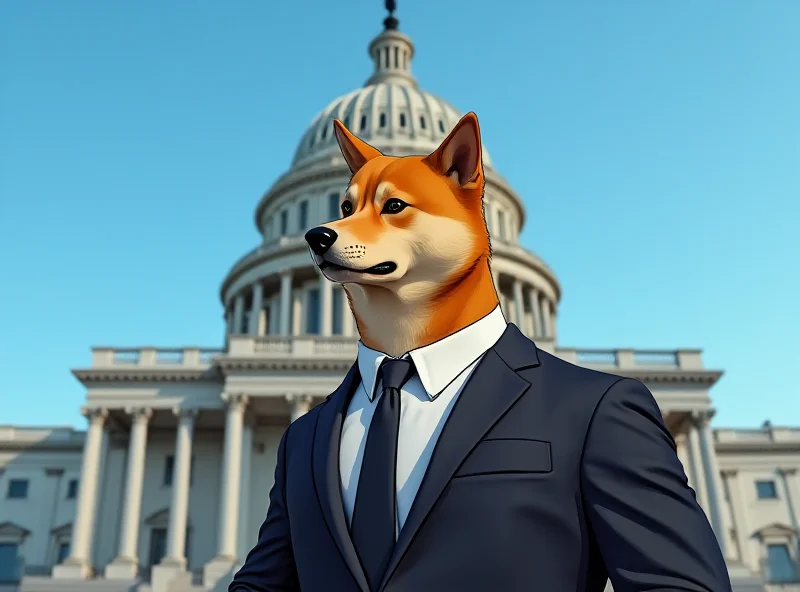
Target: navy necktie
[{"x": 375, "y": 512}]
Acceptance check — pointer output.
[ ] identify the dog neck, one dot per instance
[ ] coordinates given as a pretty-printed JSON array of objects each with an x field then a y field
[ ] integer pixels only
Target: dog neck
[{"x": 396, "y": 322}]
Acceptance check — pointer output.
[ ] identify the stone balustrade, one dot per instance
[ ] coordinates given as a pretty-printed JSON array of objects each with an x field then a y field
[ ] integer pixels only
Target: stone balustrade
[
  {"x": 765, "y": 435},
  {"x": 148, "y": 357},
  {"x": 629, "y": 359}
]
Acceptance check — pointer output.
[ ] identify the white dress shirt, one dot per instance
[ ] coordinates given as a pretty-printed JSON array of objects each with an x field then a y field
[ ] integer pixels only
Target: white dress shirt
[{"x": 426, "y": 400}]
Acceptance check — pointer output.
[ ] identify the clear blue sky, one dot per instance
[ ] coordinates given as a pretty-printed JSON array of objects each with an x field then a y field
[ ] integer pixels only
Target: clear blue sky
[{"x": 656, "y": 146}]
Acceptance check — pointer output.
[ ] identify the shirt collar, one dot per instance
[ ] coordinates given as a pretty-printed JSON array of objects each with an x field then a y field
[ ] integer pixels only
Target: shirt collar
[{"x": 441, "y": 362}]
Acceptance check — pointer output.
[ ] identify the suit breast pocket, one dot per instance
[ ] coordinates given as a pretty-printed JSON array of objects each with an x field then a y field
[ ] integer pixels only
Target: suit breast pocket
[{"x": 507, "y": 456}]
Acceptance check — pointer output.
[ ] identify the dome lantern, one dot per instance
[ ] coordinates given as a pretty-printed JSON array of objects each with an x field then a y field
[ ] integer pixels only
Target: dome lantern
[{"x": 391, "y": 52}]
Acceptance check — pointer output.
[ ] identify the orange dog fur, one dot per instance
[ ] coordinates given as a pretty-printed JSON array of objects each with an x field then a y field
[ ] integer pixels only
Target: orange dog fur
[{"x": 422, "y": 218}]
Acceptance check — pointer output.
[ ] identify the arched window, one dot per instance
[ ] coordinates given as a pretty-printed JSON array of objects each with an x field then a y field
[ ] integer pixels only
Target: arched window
[
  {"x": 422, "y": 121},
  {"x": 402, "y": 120},
  {"x": 441, "y": 126},
  {"x": 383, "y": 120},
  {"x": 363, "y": 123}
]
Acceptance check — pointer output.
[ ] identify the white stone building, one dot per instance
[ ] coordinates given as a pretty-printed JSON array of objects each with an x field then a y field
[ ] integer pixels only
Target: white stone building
[{"x": 168, "y": 485}]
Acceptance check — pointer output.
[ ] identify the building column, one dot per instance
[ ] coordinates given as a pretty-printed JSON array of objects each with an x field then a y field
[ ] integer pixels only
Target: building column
[
  {"x": 78, "y": 564},
  {"x": 713, "y": 478},
  {"x": 791, "y": 487},
  {"x": 519, "y": 304},
  {"x": 326, "y": 306},
  {"x": 348, "y": 322},
  {"x": 225, "y": 559},
  {"x": 286, "y": 299},
  {"x": 297, "y": 312},
  {"x": 736, "y": 495},
  {"x": 536, "y": 312},
  {"x": 238, "y": 314},
  {"x": 181, "y": 482},
  {"x": 300, "y": 404},
  {"x": 697, "y": 475},
  {"x": 245, "y": 543},
  {"x": 547, "y": 317},
  {"x": 174, "y": 561},
  {"x": 682, "y": 446},
  {"x": 254, "y": 320},
  {"x": 126, "y": 565}
]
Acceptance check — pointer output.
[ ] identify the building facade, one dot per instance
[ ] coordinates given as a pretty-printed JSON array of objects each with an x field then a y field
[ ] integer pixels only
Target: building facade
[{"x": 166, "y": 488}]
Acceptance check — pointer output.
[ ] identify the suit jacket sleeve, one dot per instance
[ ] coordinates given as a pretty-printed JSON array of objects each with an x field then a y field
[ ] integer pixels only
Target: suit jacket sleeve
[
  {"x": 646, "y": 521},
  {"x": 270, "y": 566}
]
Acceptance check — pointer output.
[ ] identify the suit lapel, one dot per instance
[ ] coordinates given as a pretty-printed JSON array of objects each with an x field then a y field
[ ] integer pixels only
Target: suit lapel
[
  {"x": 326, "y": 471},
  {"x": 489, "y": 393}
]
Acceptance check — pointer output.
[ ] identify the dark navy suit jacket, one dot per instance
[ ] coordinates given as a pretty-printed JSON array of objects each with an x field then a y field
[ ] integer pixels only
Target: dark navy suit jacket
[{"x": 547, "y": 476}]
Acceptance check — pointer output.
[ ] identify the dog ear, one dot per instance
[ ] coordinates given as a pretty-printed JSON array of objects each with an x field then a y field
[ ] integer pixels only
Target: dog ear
[
  {"x": 356, "y": 152},
  {"x": 459, "y": 156}
]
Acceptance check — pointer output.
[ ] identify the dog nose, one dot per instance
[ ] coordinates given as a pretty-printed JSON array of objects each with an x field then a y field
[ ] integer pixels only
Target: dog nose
[{"x": 320, "y": 239}]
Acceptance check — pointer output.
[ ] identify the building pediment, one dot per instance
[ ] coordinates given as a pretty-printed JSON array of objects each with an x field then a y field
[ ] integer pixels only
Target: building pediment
[
  {"x": 11, "y": 530},
  {"x": 65, "y": 530},
  {"x": 776, "y": 530}
]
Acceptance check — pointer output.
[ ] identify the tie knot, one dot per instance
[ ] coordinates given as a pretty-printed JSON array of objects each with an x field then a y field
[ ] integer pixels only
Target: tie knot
[{"x": 395, "y": 372}]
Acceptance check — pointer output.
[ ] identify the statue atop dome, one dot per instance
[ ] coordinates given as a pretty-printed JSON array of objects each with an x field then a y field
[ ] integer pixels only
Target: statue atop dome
[{"x": 390, "y": 23}]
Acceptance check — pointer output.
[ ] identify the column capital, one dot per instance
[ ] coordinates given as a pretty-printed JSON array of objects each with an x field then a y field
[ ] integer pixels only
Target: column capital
[
  {"x": 235, "y": 400},
  {"x": 95, "y": 415},
  {"x": 729, "y": 472},
  {"x": 54, "y": 472},
  {"x": 185, "y": 413},
  {"x": 702, "y": 417},
  {"x": 299, "y": 398},
  {"x": 139, "y": 414},
  {"x": 285, "y": 271},
  {"x": 787, "y": 471}
]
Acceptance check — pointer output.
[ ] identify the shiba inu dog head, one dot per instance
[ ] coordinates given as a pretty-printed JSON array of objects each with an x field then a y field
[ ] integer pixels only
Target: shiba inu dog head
[{"x": 412, "y": 247}]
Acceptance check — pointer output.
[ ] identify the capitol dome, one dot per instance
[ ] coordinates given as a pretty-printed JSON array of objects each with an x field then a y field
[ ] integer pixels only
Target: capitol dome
[
  {"x": 276, "y": 292},
  {"x": 390, "y": 112}
]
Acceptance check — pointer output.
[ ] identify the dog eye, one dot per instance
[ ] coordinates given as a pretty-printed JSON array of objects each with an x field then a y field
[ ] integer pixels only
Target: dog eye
[
  {"x": 393, "y": 206},
  {"x": 347, "y": 208}
]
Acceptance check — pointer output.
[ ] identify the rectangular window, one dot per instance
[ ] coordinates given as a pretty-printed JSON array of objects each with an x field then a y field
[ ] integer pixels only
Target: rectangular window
[
  {"x": 338, "y": 297},
  {"x": 72, "y": 489},
  {"x": 781, "y": 567},
  {"x": 17, "y": 489},
  {"x": 284, "y": 222},
  {"x": 169, "y": 468},
  {"x": 9, "y": 563},
  {"x": 63, "y": 553},
  {"x": 303, "y": 216},
  {"x": 501, "y": 225},
  {"x": 766, "y": 490},
  {"x": 333, "y": 207},
  {"x": 312, "y": 312}
]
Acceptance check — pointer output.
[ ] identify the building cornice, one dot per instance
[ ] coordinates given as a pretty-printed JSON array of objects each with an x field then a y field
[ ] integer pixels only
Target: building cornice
[
  {"x": 135, "y": 374},
  {"x": 43, "y": 445},
  {"x": 704, "y": 377},
  {"x": 229, "y": 364}
]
